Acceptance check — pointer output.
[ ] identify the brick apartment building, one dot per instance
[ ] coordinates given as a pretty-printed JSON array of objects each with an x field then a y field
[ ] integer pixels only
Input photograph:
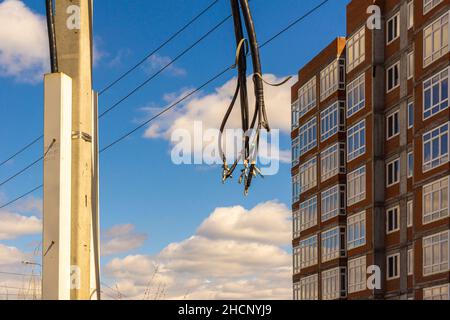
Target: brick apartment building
[{"x": 370, "y": 140}]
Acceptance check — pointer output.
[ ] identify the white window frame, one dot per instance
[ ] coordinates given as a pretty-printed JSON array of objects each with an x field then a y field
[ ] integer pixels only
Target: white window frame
[
  {"x": 432, "y": 190},
  {"x": 410, "y": 14},
  {"x": 356, "y": 95},
  {"x": 356, "y": 183},
  {"x": 295, "y": 188},
  {"x": 436, "y": 50},
  {"x": 410, "y": 262},
  {"x": 396, "y": 223},
  {"x": 309, "y": 288},
  {"x": 356, "y": 132},
  {"x": 308, "y": 214},
  {"x": 394, "y": 21},
  {"x": 429, "y": 5},
  {"x": 393, "y": 168},
  {"x": 436, "y": 240},
  {"x": 410, "y": 213},
  {"x": 296, "y": 259},
  {"x": 395, "y": 258},
  {"x": 428, "y": 90},
  {"x": 411, "y": 114},
  {"x": 308, "y": 252},
  {"x": 333, "y": 244},
  {"x": 410, "y": 69},
  {"x": 308, "y": 175},
  {"x": 332, "y": 78},
  {"x": 410, "y": 168},
  {"x": 332, "y": 161},
  {"x": 307, "y": 99},
  {"x": 308, "y": 136},
  {"x": 333, "y": 283},
  {"x": 356, "y": 230},
  {"x": 296, "y": 224},
  {"x": 334, "y": 113},
  {"x": 295, "y": 112},
  {"x": 392, "y": 122},
  {"x": 332, "y": 202},
  {"x": 394, "y": 71},
  {"x": 427, "y": 139},
  {"x": 440, "y": 292},
  {"x": 357, "y": 274},
  {"x": 356, "y": 49}
]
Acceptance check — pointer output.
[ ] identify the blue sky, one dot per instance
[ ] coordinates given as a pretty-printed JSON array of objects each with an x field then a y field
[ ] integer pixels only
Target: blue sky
[{"x": 139, "y": 183}]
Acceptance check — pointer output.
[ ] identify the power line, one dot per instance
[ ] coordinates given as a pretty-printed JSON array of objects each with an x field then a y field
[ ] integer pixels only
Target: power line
[
  {"x": 164, "y": 68},
  {"x": 304, "y": 16},
  {"x": 18, "y": 274},
  {"x": 159, "y": 47},
  {"x": 171, "y": 38}
]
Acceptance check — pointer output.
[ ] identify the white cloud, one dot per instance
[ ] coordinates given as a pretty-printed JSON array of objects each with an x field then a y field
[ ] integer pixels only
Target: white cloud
[
  {"x": 157, "y": 62},
  {"x": 217, "y": 262},
  {"x": 10, "y": 256},
  {"x": 23, "y": 42},
  {"x": 120, "y": 239},
  {"x": 13, "y": 225}
]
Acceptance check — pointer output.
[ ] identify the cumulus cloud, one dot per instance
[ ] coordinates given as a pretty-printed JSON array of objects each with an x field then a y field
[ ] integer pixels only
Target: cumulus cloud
[
  {"x": 157, "y": 62},
  {"x": 223, "y": 260},
  {"x": 23, "y": 42},
  {"x": 14, "y": 225},
  {"x": 208, "y": 111},
  {"x": 120, "y": 239},
  {"x": 10, "y": 256}
]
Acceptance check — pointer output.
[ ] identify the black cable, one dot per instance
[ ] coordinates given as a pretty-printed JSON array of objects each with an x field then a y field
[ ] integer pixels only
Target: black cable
[
  {"x": 51, "y": 35},
  {"x": 193, "y": 92},
  {"x": 22, "y": 150},
  {"x": 159, "y": 47},
  {"x": 164, "y": 68}
]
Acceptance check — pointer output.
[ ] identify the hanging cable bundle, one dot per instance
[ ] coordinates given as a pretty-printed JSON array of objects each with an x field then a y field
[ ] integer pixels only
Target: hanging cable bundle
[{"x": 251, "y": 126}]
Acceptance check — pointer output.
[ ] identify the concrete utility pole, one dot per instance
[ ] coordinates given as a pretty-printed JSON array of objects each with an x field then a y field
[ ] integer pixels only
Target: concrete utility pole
[{"x": 73, "y": 24}]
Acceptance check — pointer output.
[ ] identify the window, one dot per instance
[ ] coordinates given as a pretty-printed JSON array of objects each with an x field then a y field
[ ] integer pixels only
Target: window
[
  {"x": 393, "y": 28},
  {"x": 308, "y": 252},
  {"x": 435, "y": 147},
  {"x": 295, "y": 188},
  {"x": 308, "y": 136},
  {"x": 436, "y": 293},
  {"x": 429, "y": 4},
  {"x": 332, "y": 161},
  {"x": 393, "y": 220},
  {"x": 295, "y": 114},
  {"x": 333, "y": 202},
  {"x": 307, "y": 97},
  {"x": 393, "y": 172},
  {"x": 393, "y": 77},
  {"x": 410, "y": 14},
  {"x": 435, "y": 253},
  {"x": 333, "y": 244},
  {"x": 308, "y": 175},
  {"x": 297, "y": 258},
  {"x": 356, "y": 185},
  {"x": 410, "y": 65},
  {"x": 435, "y": 201},
  {"x": 357, "y": 275},
  {"x": 332, "y": 78},
  {"x": 333, "y": 284},
  {"x": 308, "y": 214},
  {"x": 435, "y": 94},
  {"x": 356, "y": 49},
  {"x": 356, "y": 95},
  {"x": 435, "y": 40},
  {"x": 295, "y": 152},
  {"x": 296, "y": 224},
  {"x": 356, "y": 141},
  {"x": 410, "y": 262},
  {"x": 410, "y": 164},
  {"x": 308, "y": 288},
  {"x": 410, "y": 213},
  {"x": 410, "y": 114},
  {"x": 392, "y": 125},
  {"x": 393, "y": 266},
  {"x": 332, "y": 120},
  {"x": 356, "y": 230}
]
